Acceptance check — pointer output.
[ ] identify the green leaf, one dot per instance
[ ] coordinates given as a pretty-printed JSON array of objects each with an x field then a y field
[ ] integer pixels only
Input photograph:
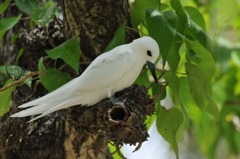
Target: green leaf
[
  {"x": 4, "y": 78},
  {"x": 174, "y": 83},
  {"x": 41, "y": 66},
  {"x": 20, "y": 53},
  {"x": 143, "y": 79},
  {"x": 235, "y": 56},
  {"x": 166, "y": 24},
  {"x": 197, "y": 33},
  {"x": 199, "y": 90},
  {"x": 69, "y": 51},
  {"x": 6, "y": 98},
  {"x": 7, "y": 23},
  {"x": 43, "y": 15},
  {"x": 54, "y": 78},
  {"x": 16, "y": 72},
  {"x": 168, "y": 123},
  {"x": 207, "y": 64},
  {"x": 173, "y": 57},
  {"x": 196, "y": 16},
  {"x": 4, "y": 6},
  {"x": 26, "y": 5},
  {"x": 118, "y": 39},
  {"x": 138, "y": 11},
  {"x": 187, "y": 100}
]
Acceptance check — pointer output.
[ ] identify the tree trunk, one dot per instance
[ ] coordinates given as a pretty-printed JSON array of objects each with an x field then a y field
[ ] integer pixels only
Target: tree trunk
[{"x": 79, "y": 132}]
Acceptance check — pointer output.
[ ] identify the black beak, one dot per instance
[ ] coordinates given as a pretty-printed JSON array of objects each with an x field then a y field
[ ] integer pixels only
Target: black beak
[{"x": 152, "y": 69}]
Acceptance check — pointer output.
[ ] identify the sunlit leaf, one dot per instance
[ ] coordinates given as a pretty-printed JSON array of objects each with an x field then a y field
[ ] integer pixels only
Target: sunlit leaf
[
  {"x": 235, "y": 56},
  {"x": 207, "y": 64},
  {"x": 162, "y": 27},
  {"x": 186, "y": 98},
  {"x": 118, "y": 39},
  {"x": 168, "y": 123},
  {"x": 54, "y": 78},
  {"x": 43, "y": 15},
  {"x": 196, "y": 16},
  {"x": 199, "y": 90},
  {"x": 69, "y": 51},
  {"x": 6, "y": 98},
  {"x": 174, "y": 57}
]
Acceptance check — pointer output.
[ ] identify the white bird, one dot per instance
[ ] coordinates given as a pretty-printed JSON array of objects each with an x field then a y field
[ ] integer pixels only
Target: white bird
[{"x": 108, "y": 73}]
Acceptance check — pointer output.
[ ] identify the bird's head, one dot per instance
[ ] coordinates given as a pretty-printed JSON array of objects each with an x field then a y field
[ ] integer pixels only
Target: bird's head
[{"x": 147, "y": 50}]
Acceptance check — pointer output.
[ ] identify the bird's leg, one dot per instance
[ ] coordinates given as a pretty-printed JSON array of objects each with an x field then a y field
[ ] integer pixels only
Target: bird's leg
[{"x": 116, "y": 101}]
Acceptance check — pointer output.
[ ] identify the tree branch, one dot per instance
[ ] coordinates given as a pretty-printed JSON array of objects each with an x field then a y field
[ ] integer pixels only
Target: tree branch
[{"x": 22, "y": 80}]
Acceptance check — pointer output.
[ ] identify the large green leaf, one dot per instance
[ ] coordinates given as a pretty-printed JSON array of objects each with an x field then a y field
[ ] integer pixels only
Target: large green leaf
[
  {"x": 54, "y": 78},
  {"x": 69, "y": 51},
  {"x": 118, "y": 39},
  {"x": 187, "y": 100},
  {"x": 196, "y": 33},
  {"x": 7, "y": 23},
  {"x": 43, "y": 15},
  {"x": 4, "y": 6},
  {"x": 196, "y": 16},
  {"x": 138, "y": 11},
  {"x": 162, "y": 27},
  {"x": 207, "y": 63},
  {"x": 174, "y": 57},
  {"x": 174, "y": 83},
  {"x": 168, "y": 123},
  {"x": 199, "y": 90},
  {"x": 26, "y": 5},
  {"x": 6, "y": 98}
]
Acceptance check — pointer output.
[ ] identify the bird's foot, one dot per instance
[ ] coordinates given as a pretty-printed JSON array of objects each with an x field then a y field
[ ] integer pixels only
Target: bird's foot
[{"x": 116, "y": 101}]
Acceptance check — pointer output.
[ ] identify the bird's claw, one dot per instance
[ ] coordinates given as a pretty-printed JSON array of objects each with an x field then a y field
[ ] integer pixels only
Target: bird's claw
[{"x": 117, "y": 102}]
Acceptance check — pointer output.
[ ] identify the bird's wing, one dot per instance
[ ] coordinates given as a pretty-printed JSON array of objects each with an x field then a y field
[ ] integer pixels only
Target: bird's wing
[{"x": 107, "y": 70}]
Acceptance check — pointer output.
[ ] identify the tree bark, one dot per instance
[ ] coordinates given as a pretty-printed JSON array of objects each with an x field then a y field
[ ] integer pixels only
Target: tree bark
[{"x": 78, "y": 132}]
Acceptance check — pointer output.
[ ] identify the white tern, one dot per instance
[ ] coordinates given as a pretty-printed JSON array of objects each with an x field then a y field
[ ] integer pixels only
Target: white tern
[{"x": 108, "y": 73}]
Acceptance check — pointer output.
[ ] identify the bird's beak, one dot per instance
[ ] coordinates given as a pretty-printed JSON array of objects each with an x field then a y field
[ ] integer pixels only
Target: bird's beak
[{"x": 152, "y": 69}]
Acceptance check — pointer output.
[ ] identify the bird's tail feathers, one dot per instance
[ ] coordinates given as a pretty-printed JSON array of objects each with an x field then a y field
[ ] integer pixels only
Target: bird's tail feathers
[
  {"x": 64, "y": 104},
  {"x": 52, "y": 96},
  {"x": 38, "y": 109}
]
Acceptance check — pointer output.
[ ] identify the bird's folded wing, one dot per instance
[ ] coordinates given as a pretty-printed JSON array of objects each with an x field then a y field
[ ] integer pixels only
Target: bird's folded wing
[{"x": 106, "y": 70}]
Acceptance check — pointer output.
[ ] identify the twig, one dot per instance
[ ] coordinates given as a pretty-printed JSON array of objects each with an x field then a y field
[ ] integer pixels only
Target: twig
[
  {"x": 135, "y": 30},
  {"x": 25, "y": 18},
  {"x": 21, "y": 80},
  {"x": 161, "y": 91},
  {"x": 158, "y": 78}
]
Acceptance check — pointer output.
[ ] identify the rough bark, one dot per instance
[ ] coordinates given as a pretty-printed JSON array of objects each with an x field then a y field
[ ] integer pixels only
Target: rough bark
[{"x": 79, "y": 132}]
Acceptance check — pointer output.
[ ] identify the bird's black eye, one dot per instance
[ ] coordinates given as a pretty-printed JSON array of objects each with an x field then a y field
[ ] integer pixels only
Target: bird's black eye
[{"x": 149, "y": 53}]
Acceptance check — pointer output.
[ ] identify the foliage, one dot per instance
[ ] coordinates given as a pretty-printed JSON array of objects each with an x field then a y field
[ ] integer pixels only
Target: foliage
[{"x": 202, "y": 66}]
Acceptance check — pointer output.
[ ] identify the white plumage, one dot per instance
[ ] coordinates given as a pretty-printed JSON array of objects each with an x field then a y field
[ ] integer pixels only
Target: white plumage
[{"x": 108, "y": 73}]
